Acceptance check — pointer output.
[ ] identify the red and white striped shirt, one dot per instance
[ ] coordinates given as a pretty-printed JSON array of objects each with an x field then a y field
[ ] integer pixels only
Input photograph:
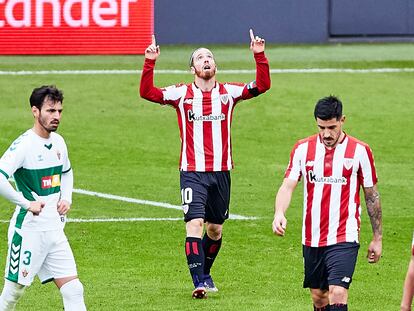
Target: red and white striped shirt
[
  {"x": 332, "y": 180},
  {"x": 204, "y": 118}
]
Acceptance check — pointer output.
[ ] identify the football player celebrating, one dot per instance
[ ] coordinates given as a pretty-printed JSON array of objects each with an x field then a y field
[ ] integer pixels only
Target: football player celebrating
[{"x": 204, "y": 109}]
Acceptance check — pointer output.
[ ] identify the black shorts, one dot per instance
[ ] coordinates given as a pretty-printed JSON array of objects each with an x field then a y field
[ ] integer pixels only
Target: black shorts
[
  {"x": 205, "y": 195},
  {"x": 330, "y": 265}
]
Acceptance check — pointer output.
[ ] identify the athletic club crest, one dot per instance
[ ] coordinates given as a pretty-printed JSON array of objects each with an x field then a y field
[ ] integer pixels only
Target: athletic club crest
[
  {"x": 224, "y": 99},
  {"x": 188, "y": 101},
  {"x": 58, "y": 154},
  {"x": 309, "y": 163},
  {"x": 348, "y": 163}
]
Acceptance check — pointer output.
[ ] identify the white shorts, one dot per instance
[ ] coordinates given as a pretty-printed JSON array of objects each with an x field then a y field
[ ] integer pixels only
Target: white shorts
[{"x": 46, "y": 254}]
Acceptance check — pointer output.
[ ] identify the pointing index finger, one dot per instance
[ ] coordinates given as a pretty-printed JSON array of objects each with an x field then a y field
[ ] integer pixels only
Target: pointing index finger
[
  {"x": 153, "y": 40},
  {"x": 251, "y": 34}
]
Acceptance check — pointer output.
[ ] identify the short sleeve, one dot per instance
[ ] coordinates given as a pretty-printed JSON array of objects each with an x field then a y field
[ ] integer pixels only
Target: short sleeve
[
  {"x": 293, "y": 170},
  {"x": 367, "y": 174}
]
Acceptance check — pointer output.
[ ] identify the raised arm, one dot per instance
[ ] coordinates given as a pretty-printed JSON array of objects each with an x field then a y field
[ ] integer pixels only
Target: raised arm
[
  {"x": 372, "y": 200},
  {"x": 283, "y": 198},
  {"x": 153, "y": 50},
  {"x": 147, "y": 89},
  {"x": 262, "y": 82},
  {"x": 257, "y": 44}
]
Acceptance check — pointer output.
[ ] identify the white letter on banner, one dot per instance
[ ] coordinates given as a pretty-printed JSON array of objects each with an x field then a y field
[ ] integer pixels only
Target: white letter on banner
[
  {"x": 125, "y": 12},
  {"x": 39, "y": 12},
  {"x": 98, "y": 12},
  {"x": 25, "y": 22},
  {"x": 67, "y": 13}
]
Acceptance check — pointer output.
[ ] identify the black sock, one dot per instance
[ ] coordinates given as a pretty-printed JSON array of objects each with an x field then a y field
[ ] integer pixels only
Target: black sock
[
  {"x": 325, "y": 308},
  {"x": 211, "y": 249},
  {"x": 195, "y": 259},
  {"x": 338, "y": 307}
]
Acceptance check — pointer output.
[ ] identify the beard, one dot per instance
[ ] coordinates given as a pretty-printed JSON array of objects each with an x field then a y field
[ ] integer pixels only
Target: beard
[
  {"x": 52, "y": 126},
  {"x": 205, "y": 75},
  {"x": 329, "y": 142}
]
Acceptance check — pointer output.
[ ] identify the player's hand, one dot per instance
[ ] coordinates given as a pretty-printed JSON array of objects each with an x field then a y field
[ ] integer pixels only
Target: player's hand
[
  {"x": 374, "y": 251},
  {"x": 63, "y": 207},
  {"x": 36, "y": 207},
  {"x": 257, "y": 44},
  {"x": 153, "y": 50},
  {"x": 279, "y": 224}
]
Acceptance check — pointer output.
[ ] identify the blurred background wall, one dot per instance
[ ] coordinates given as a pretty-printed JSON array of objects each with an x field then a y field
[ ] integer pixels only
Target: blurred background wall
[
  {"x": 72, "y": 27},
  {"x": 283, "y": 21}
]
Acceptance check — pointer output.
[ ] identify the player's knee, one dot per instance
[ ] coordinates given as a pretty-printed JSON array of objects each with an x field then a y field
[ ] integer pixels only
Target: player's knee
[
  {"x": 10, "y": 295},
  {"x": 338, "y": 294},
  {"x": 320, "y": 298},
  {"x": 194, "y": 227},
  {"x": 214, "y": 231}
]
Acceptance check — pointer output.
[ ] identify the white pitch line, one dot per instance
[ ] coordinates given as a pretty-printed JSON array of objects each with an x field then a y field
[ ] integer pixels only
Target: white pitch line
[
  {"x": 126, "y": 199},
  {"x": 146, "y": 202},
  {"x": 229, "y": 71},
  {"x": 134, "y": 219}
]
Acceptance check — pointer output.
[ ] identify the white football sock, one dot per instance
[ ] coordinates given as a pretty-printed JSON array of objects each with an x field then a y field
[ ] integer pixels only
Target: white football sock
[
  {"x": 72, "y": 294},
  {"x": 10, "y": 295}
]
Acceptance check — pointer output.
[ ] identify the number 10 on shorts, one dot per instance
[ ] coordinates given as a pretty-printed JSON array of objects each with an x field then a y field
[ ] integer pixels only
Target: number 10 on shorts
[{"x": 186, "y": 196}]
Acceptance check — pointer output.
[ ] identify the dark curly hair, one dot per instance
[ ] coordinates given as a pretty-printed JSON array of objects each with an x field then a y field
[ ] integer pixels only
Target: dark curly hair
[
  {"x": 328, "y": 108},
  {"x": 46, "y": 91}
]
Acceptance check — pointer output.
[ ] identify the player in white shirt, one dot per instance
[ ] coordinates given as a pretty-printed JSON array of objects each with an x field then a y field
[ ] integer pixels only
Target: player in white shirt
[
  {"x": 38, "y": 161},
  {"x": 408, "y": 293},
  {"x": 333, "y": 166}
]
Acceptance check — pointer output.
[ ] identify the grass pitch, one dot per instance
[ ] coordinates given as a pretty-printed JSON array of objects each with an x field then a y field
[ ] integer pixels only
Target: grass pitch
[{"x": 120, "y": 144}]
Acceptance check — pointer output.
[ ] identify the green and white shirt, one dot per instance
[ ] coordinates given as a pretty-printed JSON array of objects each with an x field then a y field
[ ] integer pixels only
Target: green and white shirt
[{"x": 37, "y": 165}]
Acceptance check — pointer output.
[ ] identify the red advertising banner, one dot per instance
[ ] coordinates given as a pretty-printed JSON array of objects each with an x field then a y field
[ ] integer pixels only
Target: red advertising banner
[{"x": 35, "y": 27}]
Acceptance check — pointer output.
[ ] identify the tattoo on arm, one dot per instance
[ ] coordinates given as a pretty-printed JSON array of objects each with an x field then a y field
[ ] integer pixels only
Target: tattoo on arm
[{"x": 372, "y": 200}]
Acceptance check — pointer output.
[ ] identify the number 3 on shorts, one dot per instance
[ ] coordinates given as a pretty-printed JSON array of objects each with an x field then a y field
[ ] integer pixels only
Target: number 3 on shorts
[
  {"x": 186, "y": 195},
  {"x": 28, "y": 256}
]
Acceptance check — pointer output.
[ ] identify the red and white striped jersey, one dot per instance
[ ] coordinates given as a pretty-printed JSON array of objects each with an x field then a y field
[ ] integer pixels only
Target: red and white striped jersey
[
  {"x": 204, "y": 118},
  {"x": 332, "y": 180}
]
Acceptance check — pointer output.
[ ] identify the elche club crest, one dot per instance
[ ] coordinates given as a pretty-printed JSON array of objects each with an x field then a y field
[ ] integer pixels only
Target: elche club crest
[{"x": 25, "y": 273}]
